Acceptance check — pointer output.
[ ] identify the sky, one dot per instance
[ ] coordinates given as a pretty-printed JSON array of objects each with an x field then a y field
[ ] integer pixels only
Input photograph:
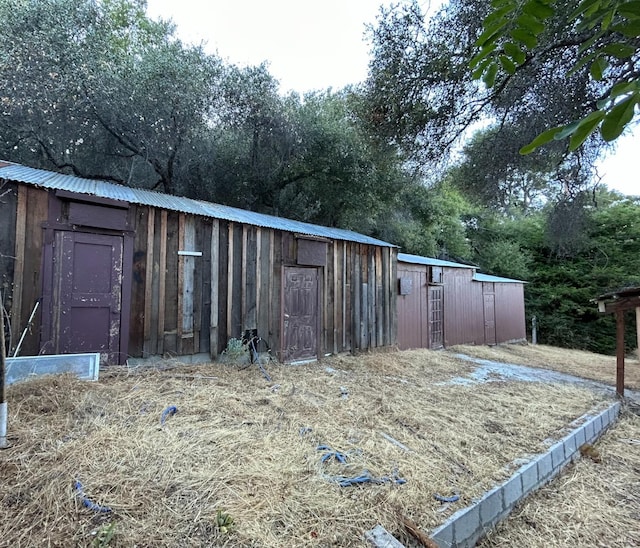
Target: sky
[{"x": 319, "y": 44}]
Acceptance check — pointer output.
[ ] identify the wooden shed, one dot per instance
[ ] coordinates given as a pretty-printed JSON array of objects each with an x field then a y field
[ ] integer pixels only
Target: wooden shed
[
  {"x": 443, "y": 303},
  {"x": 133, "y": 273}
]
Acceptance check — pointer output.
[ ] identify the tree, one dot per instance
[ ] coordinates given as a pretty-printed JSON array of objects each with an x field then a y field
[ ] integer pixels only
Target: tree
[
  {"x": 421, "y": 97},
  {"x": 98, "y": 89},
  {"x": 602, "y": 36}
]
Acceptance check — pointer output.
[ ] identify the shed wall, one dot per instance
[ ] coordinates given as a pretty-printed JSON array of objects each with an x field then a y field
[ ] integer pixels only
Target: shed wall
[{"x": 196, "y": 282}]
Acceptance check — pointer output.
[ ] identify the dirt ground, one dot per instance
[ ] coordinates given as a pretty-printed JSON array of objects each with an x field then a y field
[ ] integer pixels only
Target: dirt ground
[
  {"x": 596, "y": 501},
  {"x": 313, "y": 457}
]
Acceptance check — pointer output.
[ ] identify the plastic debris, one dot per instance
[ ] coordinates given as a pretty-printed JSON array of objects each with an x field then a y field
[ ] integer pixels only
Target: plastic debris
[
  {"x": 169, "y": 411},
  {"x": 88, "y": 503},
  {"x": 440, "y": 498},
  {"x": 331, "y": 454}
]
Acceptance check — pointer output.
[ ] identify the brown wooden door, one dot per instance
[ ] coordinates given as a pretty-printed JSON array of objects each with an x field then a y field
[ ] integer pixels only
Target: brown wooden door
[
  {"x": 87, "y": 294},
  {"x": 412, "y": 310},
  {"x": 436, "y": 317},
  {"x": 301, "y": 320}
]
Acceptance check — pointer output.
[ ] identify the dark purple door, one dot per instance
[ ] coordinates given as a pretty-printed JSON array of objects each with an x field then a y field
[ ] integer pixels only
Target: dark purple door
[
  {"x": 301, "y": 318},
  {"x": 88, "y": 293}
]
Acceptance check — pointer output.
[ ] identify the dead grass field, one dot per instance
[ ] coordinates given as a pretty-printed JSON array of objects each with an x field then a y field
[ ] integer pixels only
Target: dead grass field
[
  {"x": 587, "y": 365},
  {"x": 593, "y": 503},
  {"x": 248, "y": 448}
]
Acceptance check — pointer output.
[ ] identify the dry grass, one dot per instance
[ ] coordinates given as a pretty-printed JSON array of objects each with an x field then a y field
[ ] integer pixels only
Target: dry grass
[
  {"x": 236, "y": 445},
  {"x": 588, "y": 365},
  {"x": 592, "y": 504}
]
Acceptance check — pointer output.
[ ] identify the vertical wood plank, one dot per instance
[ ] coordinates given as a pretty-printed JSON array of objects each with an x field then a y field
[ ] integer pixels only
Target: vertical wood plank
[
  {"x": 180, "y": 273},
  {"x": 258, "y": 278},
  {"x": 379, "y": 298},
  {"x": 31, "y": 282},
  {"x": 265, "y": 270},
  {"x": 337, "y": 298},
  {"x": 243, "y": 277},
  {"x": 18, "y": 268},
  {"x": 371, "y": 313},
  {"x": 148, "y": 284},
  {"x": 356, "y": 303},
  {"x": 215, "y": 259},
  {"x": 393, "y": 309},
  {"x": 638, "y": 331},
  {"x": 230, "y": 282},
  {"x": 620, "y": 353},
  {"x": 162, "y": 280}
]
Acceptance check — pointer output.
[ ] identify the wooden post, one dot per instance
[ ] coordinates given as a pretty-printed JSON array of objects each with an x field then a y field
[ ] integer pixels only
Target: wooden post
[
  {"x": 3, "y": 402},
  {"x": 620, "y": 353},
  {"x": 638, "y": 331}
]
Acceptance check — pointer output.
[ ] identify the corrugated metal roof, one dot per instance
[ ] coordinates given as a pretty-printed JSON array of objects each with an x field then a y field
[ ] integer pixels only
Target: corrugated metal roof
[
  {"x": 417, "y": 259},
  {"x": 479, "y": 277},
  {"x": 103, "y": 189}
]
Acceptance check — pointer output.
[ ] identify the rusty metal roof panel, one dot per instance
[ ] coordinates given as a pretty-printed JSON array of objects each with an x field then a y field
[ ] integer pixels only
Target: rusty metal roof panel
[
  {"x": 429, "y": 261},
  {"x": 103, "y": 189}
]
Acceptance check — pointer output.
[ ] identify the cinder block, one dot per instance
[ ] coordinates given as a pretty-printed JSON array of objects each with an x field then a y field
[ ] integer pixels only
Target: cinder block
[
  {"x": 604, "y": 419},
  {"x": 466, "y": 528},
  {"x": 381, "y": 538},
  {"x": 581, "y": 437},
  {"x": 597, "y": 425},
  {"x": 512, "y": 489},
  {"x": 614, "y": 411},
  {"x": 529, "y": 476},
  {"x": 443, "y": 535},
  {"x": 545, "y": 466},
  {"x": 570, "y": 446},
  {"x": 491, "y": 507},
  {"x": 590, "y": 430},
  {"x": 557, "y": 455}
]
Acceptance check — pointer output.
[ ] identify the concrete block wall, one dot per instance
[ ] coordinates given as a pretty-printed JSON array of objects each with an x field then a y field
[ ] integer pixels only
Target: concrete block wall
[{"x": 464, "y": 528}]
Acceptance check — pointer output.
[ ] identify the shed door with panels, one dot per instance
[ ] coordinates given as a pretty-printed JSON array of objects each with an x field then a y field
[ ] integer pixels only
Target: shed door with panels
[
  {"x": 412, "y": 310},
  {"x": 301, "y": 313},
  {"x": 489, "y": 318},
  {"x": 88, "y": 293}
]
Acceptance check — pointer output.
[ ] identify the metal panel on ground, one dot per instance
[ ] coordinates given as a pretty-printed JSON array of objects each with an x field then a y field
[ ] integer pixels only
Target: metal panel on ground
[{"x": 84, "y": 366}]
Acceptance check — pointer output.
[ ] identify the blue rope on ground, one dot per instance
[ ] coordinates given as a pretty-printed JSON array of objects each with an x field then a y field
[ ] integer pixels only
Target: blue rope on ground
[
  {"x": 364, "y": 477},
  {"x": 440, "y": 498},
  {"x": 331, "y": 454},
  {"x": 171, "y": 410},
  {"x": 86, "y": 502},
  {"x": 264, "y": 372}
]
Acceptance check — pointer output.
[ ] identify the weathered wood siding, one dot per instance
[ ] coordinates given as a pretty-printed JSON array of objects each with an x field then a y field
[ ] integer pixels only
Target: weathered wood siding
[
  {"x": 237, "y": 285},
  {"x": 196, "y": 282}
]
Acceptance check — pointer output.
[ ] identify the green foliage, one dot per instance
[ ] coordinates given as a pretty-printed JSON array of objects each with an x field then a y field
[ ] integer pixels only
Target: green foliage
[
  {"x": 421, "y": 98},
  {"x": 100, "y": 90},
  {"x": 235, "y": 351},
  {"x": 224, "y": 522},
  {"x": 566, "y": 274},
  {"x": 104, "y": 535},
  {"x": 604, "y": 36}
]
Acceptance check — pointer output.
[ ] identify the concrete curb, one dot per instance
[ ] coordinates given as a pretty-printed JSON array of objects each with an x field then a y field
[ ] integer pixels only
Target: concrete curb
[
  {"x": 468, "y": 525},
  {"x": 464, "y": 528}
]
